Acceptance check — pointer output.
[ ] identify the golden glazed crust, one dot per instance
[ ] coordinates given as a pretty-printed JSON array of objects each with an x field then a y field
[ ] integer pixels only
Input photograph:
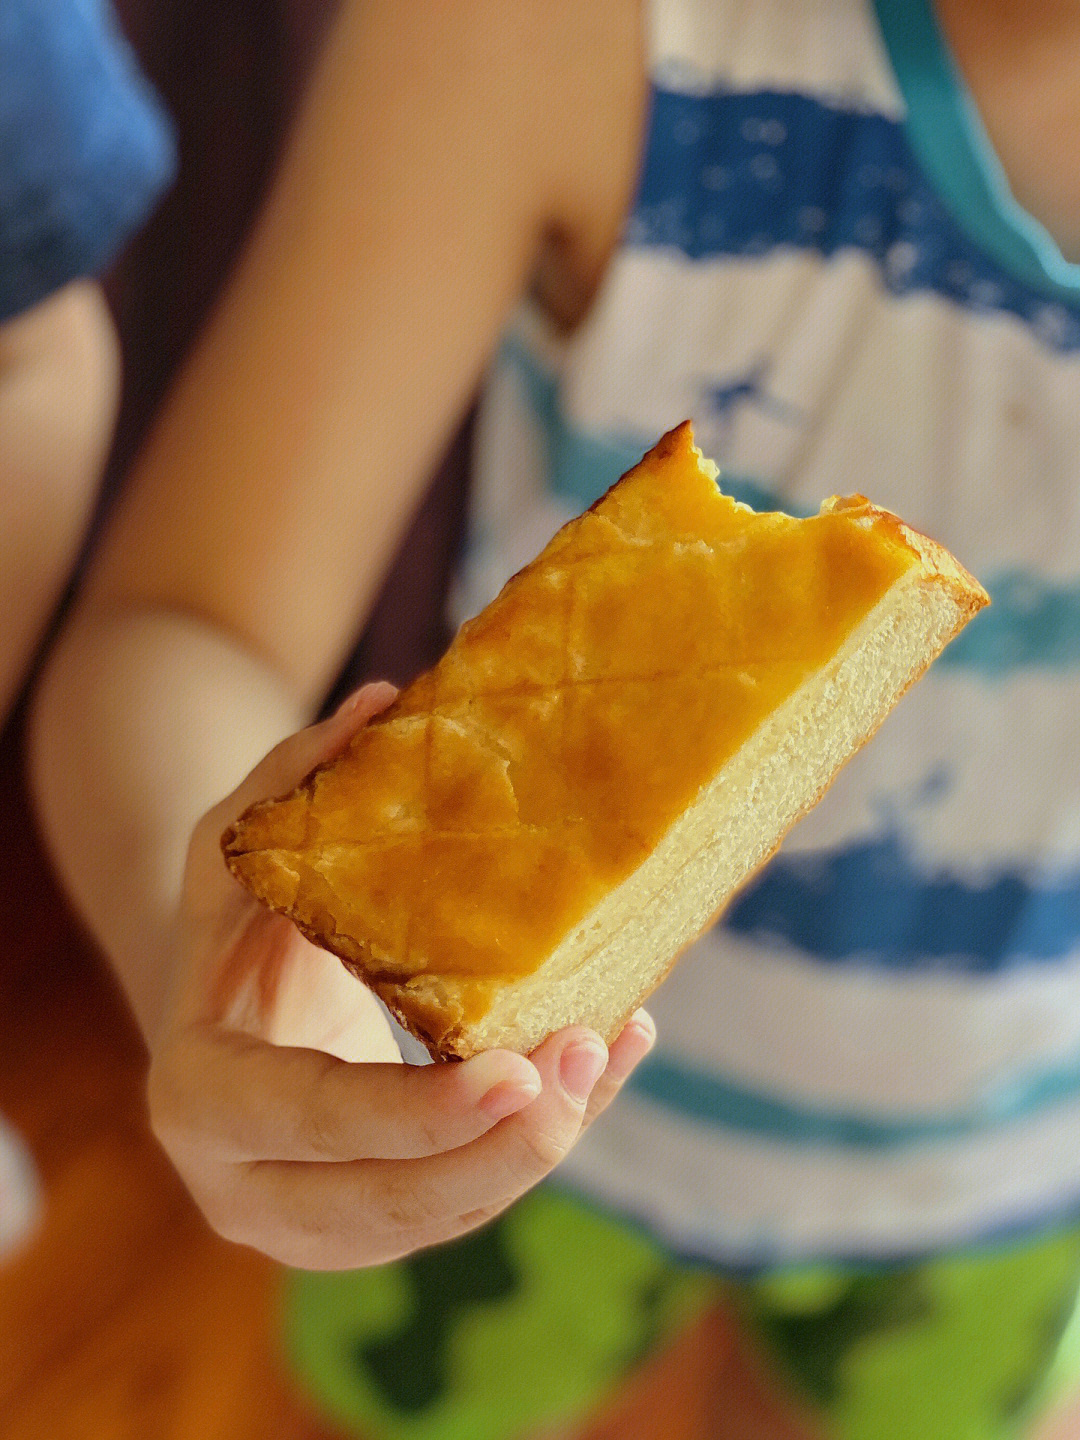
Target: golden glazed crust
[{"x": 471, "y": 826}]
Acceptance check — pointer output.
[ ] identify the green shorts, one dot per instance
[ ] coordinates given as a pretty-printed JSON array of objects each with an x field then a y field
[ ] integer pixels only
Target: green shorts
[{"x": 538, "y": 1320}]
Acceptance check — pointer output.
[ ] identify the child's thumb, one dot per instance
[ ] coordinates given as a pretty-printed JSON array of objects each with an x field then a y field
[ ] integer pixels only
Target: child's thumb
[{"x": 295, "y": 757}]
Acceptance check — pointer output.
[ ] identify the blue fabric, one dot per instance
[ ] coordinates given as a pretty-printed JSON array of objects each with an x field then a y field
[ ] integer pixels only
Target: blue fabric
[
  {"x": 742, "y": 174},
  {"x": 85, "y": 147},
  {"x": 1033, "y": 623},
  {"x": 763, "y": 213},
  {"x": 871, "y": 902}
]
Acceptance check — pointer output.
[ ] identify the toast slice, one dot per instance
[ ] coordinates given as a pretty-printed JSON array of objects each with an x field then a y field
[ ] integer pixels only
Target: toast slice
[{"x": 538, "y": 826}]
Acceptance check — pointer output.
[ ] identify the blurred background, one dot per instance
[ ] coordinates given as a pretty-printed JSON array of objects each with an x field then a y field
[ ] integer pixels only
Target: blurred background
[{"x": 121, "y": 1315}]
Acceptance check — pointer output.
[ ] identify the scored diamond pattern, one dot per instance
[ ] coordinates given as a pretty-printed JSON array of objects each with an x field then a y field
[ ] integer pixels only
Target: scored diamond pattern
[{"x": 470, "y": 828}]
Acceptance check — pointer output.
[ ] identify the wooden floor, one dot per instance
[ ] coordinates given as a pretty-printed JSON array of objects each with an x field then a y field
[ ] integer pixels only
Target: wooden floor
[{"x": 125, "y": 1319}]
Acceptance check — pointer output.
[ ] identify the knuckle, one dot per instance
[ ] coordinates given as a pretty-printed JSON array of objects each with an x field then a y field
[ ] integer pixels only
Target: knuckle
[
  {"x": 307, "y": 1227},
  {"x": 170, "y": 1123},
  {"x": 444, "y": 1115},
  {"x": 158, "y": 1108},
  {"x": 313, "y": 1240},
  {"x": 283, "y": 752},
  {"x": 284, "y": 764},
  {"x": 332, "y": 1253},
  {"x": 206, "y": 833},
  {"x": 295, "y": 1254},
  {"x": 452, "y": 1228},
  {"x": 539, "y": 1150},
  {"x": 169, "y": 1134},
  {"x": 474, "y": 1219},
  {"x": 409, "y": 1206},
  {"x": 601, "y": 1098},
  {"x": 226, "y": 1216},
  {"x": 178, "y": 1117},
  {"x": 245, "y": 1214},
  {"x": 318, "y": 1122},
  {"x": 231, "y": 1227},
  {"x": 316, "y": 1130},
  {"x": 207, "y": 824},
  {"x": 432, "y": 1133}
]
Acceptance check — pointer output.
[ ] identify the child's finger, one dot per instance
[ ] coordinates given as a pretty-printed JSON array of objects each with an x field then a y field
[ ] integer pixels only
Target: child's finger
[
  {"x": 287, "y": 764},
  {"x": 634, "y": 1042},
  {"x": 307, "y": 1215},
  {"x": 258, "y": 1101}
]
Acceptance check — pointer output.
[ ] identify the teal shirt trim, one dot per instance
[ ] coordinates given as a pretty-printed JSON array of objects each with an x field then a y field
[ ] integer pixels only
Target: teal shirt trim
[
  {"x": 949, "y": 139},
  {"x": 723, "y": 1103}
]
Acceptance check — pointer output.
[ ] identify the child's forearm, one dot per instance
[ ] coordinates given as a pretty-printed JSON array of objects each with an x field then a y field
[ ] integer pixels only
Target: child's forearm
[
  {"x": 291, "y": 452},
  {"x": 143, "y": 720}
]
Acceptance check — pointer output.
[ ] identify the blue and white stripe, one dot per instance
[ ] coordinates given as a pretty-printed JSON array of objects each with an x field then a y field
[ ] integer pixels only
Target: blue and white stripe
[
  {"x": 755, "y": 1200},
  {"x": 878, "y": 1051},
  {"x": 900, "y": 1047},
  {"x": 744, "y": 174}
]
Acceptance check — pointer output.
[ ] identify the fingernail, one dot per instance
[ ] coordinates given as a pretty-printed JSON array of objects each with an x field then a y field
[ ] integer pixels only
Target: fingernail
[
  {"x": 350, "y": 702},
  {"x": 507, "y": 1098},
  {"x": 637, "y": 1039},
  {"x": 499, "y": 1084},
  {"x": 581, "y": 1066},
  {"x": 641, "y": 1023},
  {"x": 365, "y": 691}
]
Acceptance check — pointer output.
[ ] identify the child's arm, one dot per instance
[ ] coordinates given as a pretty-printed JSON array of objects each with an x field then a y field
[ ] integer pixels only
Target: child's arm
[
  {"x": 59, "y": 375},
  {"x": 440, "y": 144}
]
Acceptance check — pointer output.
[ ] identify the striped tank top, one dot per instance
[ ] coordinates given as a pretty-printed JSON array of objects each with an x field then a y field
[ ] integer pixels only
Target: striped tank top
[{"x": 876, "y": 1053}]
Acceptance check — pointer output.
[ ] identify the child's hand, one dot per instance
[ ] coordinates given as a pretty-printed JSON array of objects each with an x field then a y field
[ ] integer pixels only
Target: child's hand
[{"x": 277, "y": 1089}]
